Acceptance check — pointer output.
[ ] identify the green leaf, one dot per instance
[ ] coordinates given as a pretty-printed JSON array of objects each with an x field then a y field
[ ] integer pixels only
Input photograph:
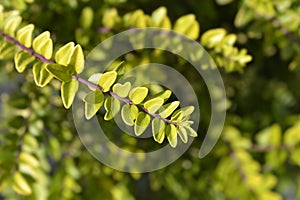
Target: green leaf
[
  {"x": 171, "y": 132},
  {"x": 11, "y": 25},
  {"x": 7, "y": 50},
  {"x": 141, "y": 123},
  {"x": 158, "y": 130},
  {"x": 129, "y": 114},
  {"x": 138, "y": 94},
  {"x": 63, "y": 55},
  {"x": 91, "y": 109},
  {"x": 212, "y": 37},
  {"x": 77, "y": 59},
  {"x": 188, "y": 110},
  {"x": 160, "y": 19},
  {"x": 112, "y": 107},
  {"x": 20, "y": 185},
  {"x": 164, "y": 94},
  {"x": 86, "y": 17},
  {"x": 95, "y": 97},
  {"x": 24, "y": 35},
  {"x": 177, "y": 116},
  {"x": 94, "y": 78},
  {"x": 107, "y": 80},
  {"x": 22, "y": 60},
  {"x": 26, "y": 158},
  {"x": 120, "y": 68},
  {"x": 40, "y": 75},
  {"x": 43, "y": 45},
  {"x": 153, "y": 105},
  {"x": 188, "y": 26},
  {"x": 60, "y": 72},
  {"x": 122, "y": 89},
  {"x": 190, "y": 131},
  {"x": 68, "y": 92},
  {"x": 183, "y": 134},
  {"x": 168, "y": 109}
]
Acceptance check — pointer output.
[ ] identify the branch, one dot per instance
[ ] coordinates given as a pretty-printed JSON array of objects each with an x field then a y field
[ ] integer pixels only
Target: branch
[
  {"x": 83, "y": 81},
  {"x": 30, "y": 51},
  {"x": 285, "y": 31}
]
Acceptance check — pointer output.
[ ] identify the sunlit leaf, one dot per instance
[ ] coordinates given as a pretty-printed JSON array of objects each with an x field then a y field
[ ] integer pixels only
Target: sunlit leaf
[
  {"x": 129, "y": 114},
  {"x": 24, "y": 35},
  {"x": 60, "y": 72},
  {"x": 20, "y": 185},
  {"x": 22, "y": 60},
  {"x": 171, "y": 133},
  {"x": 141, "y": 123},
  {"x": 112, "y": 107},
  {"x": 77, "y": 59},
  {"x": 62, "y": 56},
  {"x": 11, "y": 25},
  {"x": 68, "y": 92},
  {"x": 190, "y": 131},
  {"x": 138, "y": 94},
  {"x": 43, "y": 45},
  {"x": 122, "y": 89},
  {"x": 40, "y": 74},
  {"x": 182, "y": 134},
  {"x": 107, "y": 80},
  {"x": 168, "y": 109},
  {"x": 158, "y": 130},
  {"x": 153, "y": 105}
]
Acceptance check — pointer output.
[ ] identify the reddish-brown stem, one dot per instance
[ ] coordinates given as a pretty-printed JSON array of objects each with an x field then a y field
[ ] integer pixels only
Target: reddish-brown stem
[{"x": 83, "y": 81}]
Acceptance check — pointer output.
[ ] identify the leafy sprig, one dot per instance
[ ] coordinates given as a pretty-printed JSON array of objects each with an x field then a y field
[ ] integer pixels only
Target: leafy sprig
[{"x": 68, "y": 63}]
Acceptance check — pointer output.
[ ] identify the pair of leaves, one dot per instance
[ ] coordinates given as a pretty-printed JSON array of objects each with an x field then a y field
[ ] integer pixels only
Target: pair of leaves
[
  {"x": 70, "y": 61},
  {"x": 160, "y": 130}
]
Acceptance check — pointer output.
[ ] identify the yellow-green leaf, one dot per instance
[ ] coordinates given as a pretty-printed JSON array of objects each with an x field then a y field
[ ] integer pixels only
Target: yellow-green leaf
[
  {"x": 188, "y": 26},
  {"x": 112, "y": 107},
  {"x": 77, "y": 59},
  {"x": 138, "y": 94},
  {"x": 40, "y": 75},
  {"x": 22, "y": 60},
  {"x": 171, "y": 132},
  {"x": 86, "y": 17},
  {"x": 141, "y": 123},
  {"x": 11, "y": 25},
  {"x": 168, "y": 109},
  {"x": 129, "y": 114},
  {"x": 158, "y": 130},
  {"x": 153, "y": 105},
  {"x": 164, "y": 94},
  {"x": 68, "y": 92},
  {"x": 177, "y": 116},
  {"x": 91, "y": 109},
  {"x": 182, "y": 134},
  {"x": 93, "y": 102},
  {"x": 160, "y": 19},
  {"x": 107, "y": 80},
  {"x": 212, "y": 37},
  {"x": 122, "y": 89},
  {"x": 29, "y": 159},
  {"x": 95, "y": 97},
  {"x": 60, "y": 72},
  {"x": 20, "y": 185},
  {"x": 62, "y": 56},
  {"x": 120, "y": 68},
  {"x": 24, "y": 35},
  {"x": 190, "y": 131},
  {"x": 43, "y": 45}
]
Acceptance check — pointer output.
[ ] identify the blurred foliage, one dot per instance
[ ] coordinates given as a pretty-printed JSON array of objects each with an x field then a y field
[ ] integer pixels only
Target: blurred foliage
[{"x": 257, "y": 156}]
